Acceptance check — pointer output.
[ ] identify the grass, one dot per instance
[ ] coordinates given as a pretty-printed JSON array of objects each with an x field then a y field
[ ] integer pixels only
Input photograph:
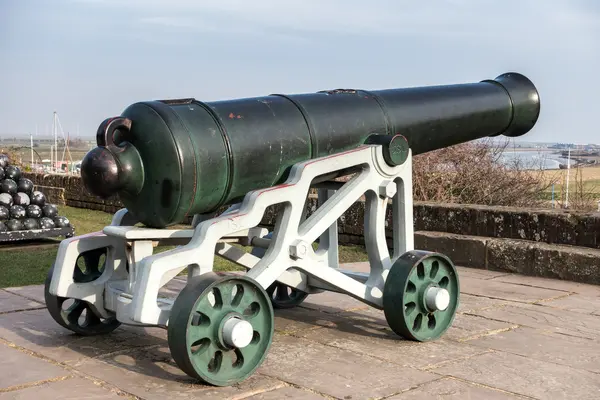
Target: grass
[
  {"x": 30, "y": 265},
  {"x": 583, "y": 182}
]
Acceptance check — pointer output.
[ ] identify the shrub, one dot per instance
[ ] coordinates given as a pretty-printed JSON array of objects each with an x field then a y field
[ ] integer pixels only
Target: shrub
[{"x": 472, "y": 173}]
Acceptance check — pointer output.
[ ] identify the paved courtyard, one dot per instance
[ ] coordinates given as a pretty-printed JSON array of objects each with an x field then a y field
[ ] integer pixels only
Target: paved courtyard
[{"x": 514, "y": 337}]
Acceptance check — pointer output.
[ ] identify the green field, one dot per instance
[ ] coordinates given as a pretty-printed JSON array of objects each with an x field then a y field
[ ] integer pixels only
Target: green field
[
  {"x": 584, "y": 184},
  {"x": 30, "y": 266}
]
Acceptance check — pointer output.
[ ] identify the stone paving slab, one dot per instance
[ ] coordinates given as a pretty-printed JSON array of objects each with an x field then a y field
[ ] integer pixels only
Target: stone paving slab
[
  {"x": 37, "y": 331},
  {"x": 152, "y": 374},
  {"x": 10, "y": 302},
  {"x": 18, "y": 368},
  {"x": 526, "y": 376},
  {"x": 470, "y": 303},
  {"x": 507, "y": 291},
  {"x": 366, "y": 332},
  {"x": 567, "y": 286},
  {"x": 336, "y": 372},
  {"x": 33, "y": 292},
  {"x": 512, "y": 336},
  {"x": 542, "y": 316},
  {"x": 551, "y": 347},
  {"x": 453, "y": 389},
  {"x": 67, "y": 389},
  {"x": 289, "y": 393},
  {"x": 579, "y": 303}
]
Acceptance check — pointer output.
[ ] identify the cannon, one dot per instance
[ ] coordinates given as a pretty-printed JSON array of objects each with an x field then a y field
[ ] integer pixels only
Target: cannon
[{"x": 223, "y": 164}]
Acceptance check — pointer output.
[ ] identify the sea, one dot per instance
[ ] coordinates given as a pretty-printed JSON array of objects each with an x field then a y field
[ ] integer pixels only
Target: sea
[{"x": 532, "y": 159}]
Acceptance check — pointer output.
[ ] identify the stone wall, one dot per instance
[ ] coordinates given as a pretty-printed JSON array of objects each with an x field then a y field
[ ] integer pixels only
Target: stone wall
[
  {"x": 537, "y": 225},
  {"x": 74, "y": 193},
  {"x": 548, "y": 243},
  {"x": 544, "y": 226}
]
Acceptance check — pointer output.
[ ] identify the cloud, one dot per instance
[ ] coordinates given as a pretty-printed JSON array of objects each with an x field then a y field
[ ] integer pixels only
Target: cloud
[{"x": 568, "y": 24}]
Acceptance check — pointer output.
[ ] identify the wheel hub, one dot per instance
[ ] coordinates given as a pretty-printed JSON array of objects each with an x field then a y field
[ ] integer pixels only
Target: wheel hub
[
  {"x": 437, "y": 298},
  {"x": 237, "y": 332}
]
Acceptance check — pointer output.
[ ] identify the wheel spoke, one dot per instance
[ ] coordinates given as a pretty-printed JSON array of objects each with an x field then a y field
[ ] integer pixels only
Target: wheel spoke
[
  {"x": 74, "y": 312},
  {"x": 197, "y": 333},
  {"x": 205, "y": 307},
  {"x": 411, "y": 293},
  {"x": 203, "y": 355},
  {"x": 91, "y": 319},
  {"x": 433, "y": 269},
  {"x": 249, "y": 352},
  {"x": 223, "y": 294},
  {"x": 244, "y": 303},
  {"x": 282, "y": 293}
]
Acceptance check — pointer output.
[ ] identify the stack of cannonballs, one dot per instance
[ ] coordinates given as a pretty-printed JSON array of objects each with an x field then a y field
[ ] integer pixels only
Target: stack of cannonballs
[{"x": 22, "y": 208}]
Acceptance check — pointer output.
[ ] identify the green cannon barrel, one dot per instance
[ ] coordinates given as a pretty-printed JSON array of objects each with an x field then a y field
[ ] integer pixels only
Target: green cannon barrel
[{"x": 170, "y": 159}]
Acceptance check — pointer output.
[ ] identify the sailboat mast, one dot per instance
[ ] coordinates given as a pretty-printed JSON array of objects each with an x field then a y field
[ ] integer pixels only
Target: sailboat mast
[{"x": 55, "y": 143}]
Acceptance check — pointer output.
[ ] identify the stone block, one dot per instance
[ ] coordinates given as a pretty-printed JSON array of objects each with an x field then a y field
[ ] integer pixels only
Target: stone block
[
  {"x": 510, "y": 256},
  {"x": 567, "y": 263},
  {"x": 469, "y": 251}
]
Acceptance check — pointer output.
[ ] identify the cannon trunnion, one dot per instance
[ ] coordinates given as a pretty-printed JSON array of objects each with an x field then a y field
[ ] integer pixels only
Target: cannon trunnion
[{"x": 170, "y": 159}]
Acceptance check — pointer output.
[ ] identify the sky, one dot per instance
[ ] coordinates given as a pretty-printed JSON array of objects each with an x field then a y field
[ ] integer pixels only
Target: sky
[{"x": 89, "y": 59}]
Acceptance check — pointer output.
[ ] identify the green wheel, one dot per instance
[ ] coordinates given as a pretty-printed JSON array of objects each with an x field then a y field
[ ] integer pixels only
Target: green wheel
[
  {"x": 284, "y": 296},
  {"x": 80, "y": 316},
  {"x": 421, "y": 295},
  {"x": 220, "y": 328}
]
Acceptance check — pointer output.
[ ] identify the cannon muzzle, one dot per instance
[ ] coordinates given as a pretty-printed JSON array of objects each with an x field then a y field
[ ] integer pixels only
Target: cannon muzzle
[{"x": 173, "y": 158}]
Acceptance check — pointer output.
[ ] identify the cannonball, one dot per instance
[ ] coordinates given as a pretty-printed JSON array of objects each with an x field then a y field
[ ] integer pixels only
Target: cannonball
[
  {"x": 3, "y": 160},
  {"x": 8, "y": 186},
  {"x": 21, "y": 199},
  {"x": 4, "y": 213},
  {"x": 30, "y": 224},
  {"x": 25, "y": 185},
  {"x": 3, "y": 227},
  {"x": 1, "y": 173},
  {"x": 14, "y": 225},
  {"x": 12, "y": 172},
  {"x": 34, "y": 211},
  {"x": 38, "y": 198},
  {"x": 62, "y": 222},
  {"x": 6, "y": 200},
  {"x": 50, "y": 210},
  {"x": 17, "y": 212},
  {"x": 46, "y": 223}
]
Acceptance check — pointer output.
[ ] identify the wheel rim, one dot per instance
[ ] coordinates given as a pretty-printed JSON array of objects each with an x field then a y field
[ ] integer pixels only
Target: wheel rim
[
  {"x": 284, "y": 296},
  {"x": 81, "y": 317},
  {"x": 406, "y": 306},
  {"x": 197, "y": 322}
]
